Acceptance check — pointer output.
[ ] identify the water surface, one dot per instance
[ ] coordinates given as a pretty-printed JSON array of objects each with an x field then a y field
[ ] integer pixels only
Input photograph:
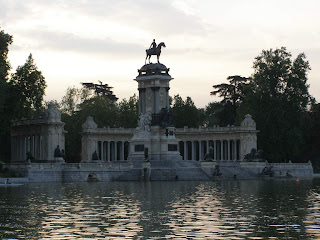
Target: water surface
[{"x": 252, "y": 209}]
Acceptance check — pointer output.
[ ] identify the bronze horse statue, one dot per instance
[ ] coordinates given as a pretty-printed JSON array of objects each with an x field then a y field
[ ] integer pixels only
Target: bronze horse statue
[{"x": 156, "y": 51}]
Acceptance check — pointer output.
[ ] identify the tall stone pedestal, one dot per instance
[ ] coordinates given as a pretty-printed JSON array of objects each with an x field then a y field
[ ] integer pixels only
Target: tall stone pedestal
[
  {"x": 160, "y": 146},
  {"x": 155, "y": 130}
]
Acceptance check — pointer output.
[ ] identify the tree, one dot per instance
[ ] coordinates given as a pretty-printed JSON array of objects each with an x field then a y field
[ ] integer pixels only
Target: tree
[
  {"x": 29, "y": 88},
  {"x": 6, "y": 108},
  {"x": 277, "y": 100},
  {"x": 104, "y": 113},
  {"x": 233, "y": 93},
  {"x": 128, "y": 112},
  {"x": 5, "y": 41},
  {"x": 218, "y": 113},
  {"x": 73, "y": 98},
  {"x": 185, "y": 113},
  {"x": 101, "y": 90}
]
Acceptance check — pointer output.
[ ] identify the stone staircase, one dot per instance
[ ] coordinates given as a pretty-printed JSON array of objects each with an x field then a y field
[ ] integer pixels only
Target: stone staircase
[
  {"x": 229, "y": 172},
  {"x": 184, "y": 171}
]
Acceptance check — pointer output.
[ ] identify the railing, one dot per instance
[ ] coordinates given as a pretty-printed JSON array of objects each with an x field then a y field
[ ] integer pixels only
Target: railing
[
  {"x": 212, "y": 129},
  {"x": 111, "y": 130}
]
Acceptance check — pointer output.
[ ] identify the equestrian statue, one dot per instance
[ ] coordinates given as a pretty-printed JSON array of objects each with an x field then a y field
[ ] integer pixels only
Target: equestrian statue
[{"x": 154, "y": 50}]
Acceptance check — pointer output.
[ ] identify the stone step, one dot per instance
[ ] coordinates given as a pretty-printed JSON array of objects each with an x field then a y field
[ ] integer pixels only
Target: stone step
[{"x": 237, "y": 172}]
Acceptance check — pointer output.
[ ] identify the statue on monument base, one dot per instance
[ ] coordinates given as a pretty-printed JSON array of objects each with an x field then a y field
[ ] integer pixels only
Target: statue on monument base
[
  {"x": 154, "y": 50},
  {"x": 143, "y": 129},
  {"x": 208, "y": 157}
]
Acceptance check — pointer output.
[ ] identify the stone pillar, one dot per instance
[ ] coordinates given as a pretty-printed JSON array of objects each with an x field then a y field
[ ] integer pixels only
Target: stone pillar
[
  {"x": 108, "y": 149},
  {"x": 239, "y": 149},
  {"x": 222, "y": 150},
  {"x": 115, "y": 150},
  {"x": 167, "y": 97},
  {"x": 185, "y": 155},
  {"x": 122, "y": 150},
  {"x": 24, "y": 148},
  {"x": 200, "y": 150},
  {"x": 101, "y": 148},
  {"x": 128, "y": 149},
  {"x": 235, "y": 149},
  {"x": 228, "y": 150},
  {"x": 214, "y": 150},
  {"x": 193, "y": 150}
]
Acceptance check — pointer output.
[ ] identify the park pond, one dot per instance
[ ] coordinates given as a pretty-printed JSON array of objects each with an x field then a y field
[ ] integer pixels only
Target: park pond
[{"x": 234, "y": 209}]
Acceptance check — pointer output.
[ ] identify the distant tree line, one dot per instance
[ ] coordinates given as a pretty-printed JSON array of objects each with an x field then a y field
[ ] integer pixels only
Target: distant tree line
[{"x": 276, "y": 95}]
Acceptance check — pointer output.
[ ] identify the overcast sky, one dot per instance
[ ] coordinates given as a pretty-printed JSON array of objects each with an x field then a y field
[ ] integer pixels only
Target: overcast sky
[{"x": 74, "y": 41}]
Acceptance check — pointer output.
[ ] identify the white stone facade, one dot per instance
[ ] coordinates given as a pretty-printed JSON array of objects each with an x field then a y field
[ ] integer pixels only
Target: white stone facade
[
  {"x": 110, "y": 144},
  {"x": 229, "y": 143},
  {"x": 38, "y": 138}
]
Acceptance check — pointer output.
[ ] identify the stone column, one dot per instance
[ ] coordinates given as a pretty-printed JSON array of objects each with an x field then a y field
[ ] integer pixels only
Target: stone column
[
  {"x": 221, "y": 150},
  {"x": 193, "y": 150},
  {"x": 234, "y": 150},
  {"x": 228, "y": 150},
  {"x": 239, "y": 149},
  {"x": 108, "y": 149},
  {"x": 200, "y": 150},
  {"x": 112, "y": 151},
  {"x": 167, "y": 98},
  {"x": 128, "y": 149},
  {"x": 142, "y": 100},
  {"x": 122, "y": 150},
  {"x": 24, "y": 148},
  {"x": 101, "y": 148},
  {"x": 115, "y": 150},
  {"x": 153, "y": 100},
  {"x": 185, "y": 155},
  {"x": 214, "y": 150},
  {"x": 36, "y": 146}
]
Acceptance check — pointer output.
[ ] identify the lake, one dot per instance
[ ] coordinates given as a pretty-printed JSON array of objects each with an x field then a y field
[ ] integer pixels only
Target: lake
[{"x": 235, "y": 209}]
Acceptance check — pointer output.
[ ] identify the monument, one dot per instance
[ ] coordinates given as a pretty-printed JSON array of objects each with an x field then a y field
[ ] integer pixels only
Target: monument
[
  {"x": 155, "y": 130},
  {"x": 154, "y": 150}
]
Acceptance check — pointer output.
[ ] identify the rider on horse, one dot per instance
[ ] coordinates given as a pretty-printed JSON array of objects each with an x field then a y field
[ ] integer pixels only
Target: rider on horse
[{"x": 153, "y": 45}]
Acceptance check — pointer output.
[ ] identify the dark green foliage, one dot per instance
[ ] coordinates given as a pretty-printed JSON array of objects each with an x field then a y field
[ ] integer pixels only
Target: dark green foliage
[
  {"x": 5, "y": 97},
  {"x": 221, "y": 114},
  {"x": 278, "y": 100},
  {"x": 101, "y": 90},
  {"x": 128, "y": 112},
  {"x": 311, "y": 129},
  {"x": 277, "y": 97},
  {"x": 5, "y": 41},
  {"x": 185, "y": 113},
  {"x": 233, "y": 94},
  {"x": 28, "y": 86},
  {"x": 105, "y": 112}
]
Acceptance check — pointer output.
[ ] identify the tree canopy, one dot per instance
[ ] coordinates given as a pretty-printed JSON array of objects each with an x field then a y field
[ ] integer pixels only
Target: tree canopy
[
  {"x": 29, "y": 87},
  {"x": 5, "y": 41}
]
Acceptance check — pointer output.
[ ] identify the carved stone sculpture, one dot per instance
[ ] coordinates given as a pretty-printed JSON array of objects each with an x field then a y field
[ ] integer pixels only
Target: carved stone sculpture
[
  {"x": 52, "y": 114},
  {"x": 208, "y": 157},
  {"x": 57, "y": 152},
  {"x": 95, "y": 156}
]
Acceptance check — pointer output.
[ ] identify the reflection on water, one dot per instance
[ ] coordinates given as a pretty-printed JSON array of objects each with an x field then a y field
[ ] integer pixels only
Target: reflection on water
[{"x": 275, "y": 209}]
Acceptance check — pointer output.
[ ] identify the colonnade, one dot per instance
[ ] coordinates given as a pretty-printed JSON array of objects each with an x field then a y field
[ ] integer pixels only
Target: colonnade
[
  {"x": 21, "y": 145},
  {"x": 113, "y": 150},
  {"x": 222, "y": 149}
]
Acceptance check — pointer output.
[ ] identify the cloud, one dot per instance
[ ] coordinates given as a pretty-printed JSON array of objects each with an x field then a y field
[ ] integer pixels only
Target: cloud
[{"x": 59, "y": 41}]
